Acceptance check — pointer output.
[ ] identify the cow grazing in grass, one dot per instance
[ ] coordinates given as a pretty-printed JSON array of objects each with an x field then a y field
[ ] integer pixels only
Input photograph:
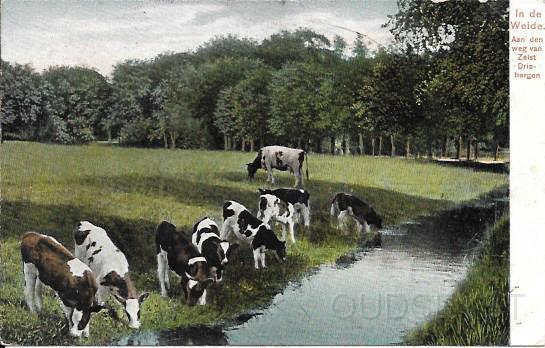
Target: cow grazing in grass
[
  {"x": 110, "y": 266},
  {"x": 46, "y": 261},
  {"x": 281, "y": 158},
  {"x": 245, "y": 226},
  {"x": 175, "y": 252},
  {"x": 206, "y": 238},
  {"x": 273, "y": 208},
  {"x": 344, "y": 204},
  {"x": 299, "y": 198}
]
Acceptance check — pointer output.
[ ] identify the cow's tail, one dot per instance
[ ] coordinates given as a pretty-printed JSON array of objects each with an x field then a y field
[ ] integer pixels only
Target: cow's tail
[{"x": 306, "y": 155}]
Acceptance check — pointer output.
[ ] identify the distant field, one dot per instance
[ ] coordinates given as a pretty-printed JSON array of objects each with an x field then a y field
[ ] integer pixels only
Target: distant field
[{"x": 128, "y": 191}]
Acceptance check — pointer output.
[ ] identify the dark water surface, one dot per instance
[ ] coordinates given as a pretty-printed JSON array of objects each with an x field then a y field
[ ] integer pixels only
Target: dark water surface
[{"x": 371, "y": 297}]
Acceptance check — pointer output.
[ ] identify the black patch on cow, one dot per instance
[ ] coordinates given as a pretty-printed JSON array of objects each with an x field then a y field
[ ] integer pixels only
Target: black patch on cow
[
  {"x": 113, "y": 279},
  {"x": 362, "y": 210},
  {"x": 90, "y": 259},
  {"x": 245, "y": 219},
  {"x": 292, "y": 196},
  {"x": 226, "y": 211},
  {"x": 93, "y": 244},
  {"x": 207, "y": 230},
  {"x": 301, "y": 159},
  {"x": 252, "y": 167},
  {"x": 79, "y": 236},
  {"x": 262, "y": 203},
  {"x": 266, "y": 237}
]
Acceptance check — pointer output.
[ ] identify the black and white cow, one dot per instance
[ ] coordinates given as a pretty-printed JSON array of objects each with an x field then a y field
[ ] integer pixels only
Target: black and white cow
[
  {"x": 344, "y": 204},
  {"x": 206, "y": 238},
  {"x": 94, "y": 247},
  {"x": 246, "y": 227},
  {"x": 299, "y": 198},
  {"x": 46, "y": 261},
  {"x": 273, "y": 208},
  {"x": 175, "y": 252},
  {"x": 281, "y": 158}
]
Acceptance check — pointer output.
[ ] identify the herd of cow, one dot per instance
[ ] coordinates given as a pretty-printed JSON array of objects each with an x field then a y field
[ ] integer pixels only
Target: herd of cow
[{"x": 97, "y": 269}]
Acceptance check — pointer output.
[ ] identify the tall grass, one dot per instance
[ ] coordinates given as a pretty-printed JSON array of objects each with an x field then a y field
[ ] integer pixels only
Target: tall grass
[
  {"x": 128, "y": 191},
  {"x": 478, "y": 312}
]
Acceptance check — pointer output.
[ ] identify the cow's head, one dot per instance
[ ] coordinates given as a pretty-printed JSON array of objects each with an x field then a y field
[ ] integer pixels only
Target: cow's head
[
  {"x": 80, "y": 318},
  {"x": 281, "y": 251},
  {"x": 252, "y": 168},
  {"x": 196, "y": 280},
  {"x": 270, "y": 206},
  {"x": 132, "y": 308},
  {"x": 374, "y": 219},
  {"x": 86, "y": 289}
]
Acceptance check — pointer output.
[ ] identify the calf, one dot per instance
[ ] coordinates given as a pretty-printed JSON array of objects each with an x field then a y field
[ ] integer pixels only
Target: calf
[
  {"x": 206, "y": 239},
  {"x": 175, "y": 253},
  {"x": 46, "y": 261},
  {"x": 96, "y": 249},
  {"x": 237, "y": 219},
  {"x": 299, "y": 198},
  {"x": 272, "y": 207},
  {"x": 281, "y": 158},
  {"x": 344, "y": 204}
]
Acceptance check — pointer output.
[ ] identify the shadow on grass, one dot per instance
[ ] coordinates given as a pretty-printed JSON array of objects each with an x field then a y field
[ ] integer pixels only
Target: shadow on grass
[{"x": 393, "y": 206}]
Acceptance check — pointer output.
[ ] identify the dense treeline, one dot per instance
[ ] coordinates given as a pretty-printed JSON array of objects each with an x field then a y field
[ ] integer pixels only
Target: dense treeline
[{"x": 443, "y": 85}]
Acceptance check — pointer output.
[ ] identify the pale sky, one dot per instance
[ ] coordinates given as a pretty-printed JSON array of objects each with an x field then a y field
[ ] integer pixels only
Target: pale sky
[{"x": 99, "y": 34}]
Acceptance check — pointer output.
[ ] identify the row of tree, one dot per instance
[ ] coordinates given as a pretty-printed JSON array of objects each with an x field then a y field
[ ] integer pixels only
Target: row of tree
[{"x": 445, "y": 80}]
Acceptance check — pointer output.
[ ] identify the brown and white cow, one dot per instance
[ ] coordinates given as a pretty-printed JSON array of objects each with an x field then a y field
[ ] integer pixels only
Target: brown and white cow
[
  {"x": 175, "y": 252},
  {"x": 281, "y": 158},
  {"x": 47, "y": 261}
]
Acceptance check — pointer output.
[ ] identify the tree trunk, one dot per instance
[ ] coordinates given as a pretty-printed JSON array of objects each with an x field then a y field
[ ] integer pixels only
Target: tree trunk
[
  {"x": 346, "y": 142},
  {"x": 299, "y": 143},
  {"x": 476, "y": 149},
  {"x": 444, "y": 150},
  {"x": 459, "y": 148},
  {"x": 319, "y": 145},
  {"x": 173, "y": 140},
  {"x": 408, "y": 147},
  {"x": 497, "y": 152},
  {"x": 332, "y": 145},
  {"x": 242, "y": 145},
  {"x": 252, "y": 145},
  {"x": 430, "y": 150},
  {"x": 165, "y": 140},
  {"x": 392, "y": 145},
  {"x": 468, "y": 149},
  {"x": 372, "y": 145},
  {"x": 380, "y": 145},
  {"x": 361, "y": 143}
]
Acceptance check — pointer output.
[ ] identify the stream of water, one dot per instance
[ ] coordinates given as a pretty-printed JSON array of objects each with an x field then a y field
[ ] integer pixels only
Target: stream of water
[{"x": 372, "y": 297}]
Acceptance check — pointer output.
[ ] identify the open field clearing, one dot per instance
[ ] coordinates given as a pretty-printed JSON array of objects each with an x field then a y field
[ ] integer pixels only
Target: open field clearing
[{"x": 128, "y": 191}]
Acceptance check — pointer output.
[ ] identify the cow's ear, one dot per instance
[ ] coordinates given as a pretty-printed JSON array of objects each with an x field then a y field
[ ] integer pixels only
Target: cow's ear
[
  {"x": 260, "y": 190},
  {"x": 142, "y": 297}
]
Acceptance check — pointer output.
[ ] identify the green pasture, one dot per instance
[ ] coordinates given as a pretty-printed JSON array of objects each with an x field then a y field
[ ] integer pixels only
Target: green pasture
[{"x": 128, "y": 191}]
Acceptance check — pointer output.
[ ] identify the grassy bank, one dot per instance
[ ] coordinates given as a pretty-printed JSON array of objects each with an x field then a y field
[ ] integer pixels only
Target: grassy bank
[
  {"x": 478, "y": 312},
  {"x": 49, "y": 188}
]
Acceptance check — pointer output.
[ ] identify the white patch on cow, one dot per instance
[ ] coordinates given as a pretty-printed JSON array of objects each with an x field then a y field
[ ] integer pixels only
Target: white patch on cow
[
  {"x": 78, "y": 268},
  {"x": 202, "y": 300},
  {"x": 225, "y": 246},
  {"x": 192, "y": 283},
  {"x": 76, "y": 317},
  {"x": 203, "y": 236},
  {"x": 196, "y": 259},
  {"x": 132, "y": 306}
]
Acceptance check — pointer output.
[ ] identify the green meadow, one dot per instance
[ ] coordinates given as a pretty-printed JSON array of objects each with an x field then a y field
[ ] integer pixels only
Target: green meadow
[{"x": 128, "y": 191}]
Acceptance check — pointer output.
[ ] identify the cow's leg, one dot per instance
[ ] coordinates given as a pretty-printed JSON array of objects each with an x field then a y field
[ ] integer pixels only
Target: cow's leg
[
  {"x": 292, "y": 230},
  {"x": 340, "y": 219},
  {"x": 86, "y": 330},
  {"x": 263, "y": 258},
  {"x": 283, "y": 232},
  {"x": 38, "y": 295},
  {"x": 31, "y": 274},
  {"x": 257, "y": 255},
  {"x": 202, "y": 299},
  {"x": 306, "y": 215},
  {"x": 102, "y": 294},
  {"x": 68, "y": 314},
  {"x": 161, "y": 274},
  {"x": 225, "y": 230}
]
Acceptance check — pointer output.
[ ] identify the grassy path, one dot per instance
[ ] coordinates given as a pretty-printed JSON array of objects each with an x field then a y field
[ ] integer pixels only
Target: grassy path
[{"x": 49, "y": 188}]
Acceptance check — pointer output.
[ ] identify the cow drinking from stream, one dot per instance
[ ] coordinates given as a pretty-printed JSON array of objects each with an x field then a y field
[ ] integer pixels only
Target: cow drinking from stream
[
  {"x": 94, "y": 247},
  {"x": 344, "y": 204},
  {"x": 281, "y": 158},
  {"x": 175, "y": 252}
]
